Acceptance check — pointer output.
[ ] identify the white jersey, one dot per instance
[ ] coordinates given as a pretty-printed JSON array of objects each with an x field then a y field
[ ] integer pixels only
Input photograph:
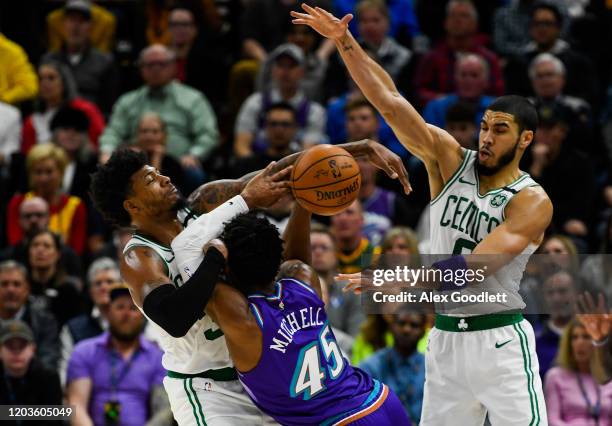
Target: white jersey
[
  {"x": 203, "y": 347},
  {"x": 461, "y": 217}
]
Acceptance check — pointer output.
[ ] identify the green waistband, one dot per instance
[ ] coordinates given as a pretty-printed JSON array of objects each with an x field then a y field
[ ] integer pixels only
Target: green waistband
[
  {"x": 221, "y": 374},
  {"x": 480, "y": 322}
]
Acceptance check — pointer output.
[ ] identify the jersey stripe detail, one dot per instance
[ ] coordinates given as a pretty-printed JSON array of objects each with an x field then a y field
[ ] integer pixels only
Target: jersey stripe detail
[
  {"x": 143, "y": 239},
  {"x": 454, "y": 177},
  {"x": 525, "y": 368},
  {"x": 195, "y": 414},
  {"x": 535, "y": 395},
  {"x": 367, "y": 410},
  {"x": 257, "y": 314},
  {"x": 498, "y": 190},
  {"x": 195, "y": 396}
]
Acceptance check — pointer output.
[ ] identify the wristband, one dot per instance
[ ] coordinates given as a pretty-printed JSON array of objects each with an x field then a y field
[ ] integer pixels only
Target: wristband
[{"x": 455, "y": 263}]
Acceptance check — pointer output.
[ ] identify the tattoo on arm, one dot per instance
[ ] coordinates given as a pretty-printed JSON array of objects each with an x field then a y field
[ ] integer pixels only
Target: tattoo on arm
[
  {"x": 213, "y": 194},
  {"x": 346, "y": 44}
]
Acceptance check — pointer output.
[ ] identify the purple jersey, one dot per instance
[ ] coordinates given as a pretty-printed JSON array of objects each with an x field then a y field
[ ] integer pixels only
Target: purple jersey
[{"x": 302, "y": 378}]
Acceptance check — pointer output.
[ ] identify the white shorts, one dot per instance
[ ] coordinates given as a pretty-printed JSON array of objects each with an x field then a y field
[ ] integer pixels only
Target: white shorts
[
  {"x": 198, "y": 402},
  {"x": 470, "y": 374}
]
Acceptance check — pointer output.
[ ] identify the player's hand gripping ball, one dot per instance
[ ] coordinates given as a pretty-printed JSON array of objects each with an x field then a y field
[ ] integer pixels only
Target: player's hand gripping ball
[{"x": 325, "y": 179}]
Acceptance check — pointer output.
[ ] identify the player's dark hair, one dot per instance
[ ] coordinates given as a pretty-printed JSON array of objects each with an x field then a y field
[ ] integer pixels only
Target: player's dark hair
[
  {"x": 283, "y": 106},
  {"x": 255, "y": 251},
  {"x": 547, "y": 6},
  {"x": 111, "y": 184},
  {"x": 524, "y": 112}
]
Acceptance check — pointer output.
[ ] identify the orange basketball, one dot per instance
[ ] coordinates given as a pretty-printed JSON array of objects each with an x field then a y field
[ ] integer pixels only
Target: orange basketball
[{"x": 325, "y": 179}]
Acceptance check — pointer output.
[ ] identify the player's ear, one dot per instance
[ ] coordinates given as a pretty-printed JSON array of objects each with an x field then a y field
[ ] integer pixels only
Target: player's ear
[
  {"x": 130, "y": 206},
  {"x": 526, "y": 139}
]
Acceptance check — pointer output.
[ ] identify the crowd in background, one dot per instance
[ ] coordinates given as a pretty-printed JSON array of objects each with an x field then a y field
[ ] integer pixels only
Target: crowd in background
[{"x": 213, "y": 89}]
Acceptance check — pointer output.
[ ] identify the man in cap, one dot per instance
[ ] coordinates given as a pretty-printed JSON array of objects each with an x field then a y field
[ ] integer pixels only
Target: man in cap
[
  {"x": 287, "y": 75},
  {"x": 26, "y": 381}
]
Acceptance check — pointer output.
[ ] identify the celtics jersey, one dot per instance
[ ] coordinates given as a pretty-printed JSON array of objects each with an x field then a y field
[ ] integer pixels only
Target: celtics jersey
[
  {"x": 203, "y": 347},
  {"x": 461, "y": 217}
]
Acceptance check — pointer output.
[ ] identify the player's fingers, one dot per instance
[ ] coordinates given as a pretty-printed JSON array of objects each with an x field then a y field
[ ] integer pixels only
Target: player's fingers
[
  {"x": 268, "y": 170},
  {"x": 301, "y": 15},
  {"x": 580, "y": 304},
  {"x": 346, "y": 277},
  {"x": 601, "y": 304},
  {"x": 346, "y": 19},
  {"x": 282, "y": 175},
  {"x": 403, "y": 175},
  {"x": 310, "y": 10},
  {"x": 589, "y": 302}
]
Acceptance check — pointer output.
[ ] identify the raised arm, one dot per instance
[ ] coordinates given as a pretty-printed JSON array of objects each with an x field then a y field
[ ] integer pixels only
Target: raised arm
[{"x": 378, "y": 88}]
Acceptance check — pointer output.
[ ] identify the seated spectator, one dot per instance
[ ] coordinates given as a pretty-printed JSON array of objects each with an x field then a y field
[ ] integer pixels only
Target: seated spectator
[
  {"x": 459, "y": 122},
  {"x": 26, "y": 381},
  {"x": 93, "y": 70},
  {"x": 559, "y": 291},
  {"x": 382, "y": 208},
  {"x": 190, "y": 121},
  {"x": 573, "y": 397},
  {"x": 195, "y": 54},
  {"x": 355, "y": 252},
  {"x": 95, "y": 388},
  {"x": 343, "y": 308},
  {"x": 45, "y": 166},
  {"x": 57, "y": 89},
  {"x": 402, "y": 367},
  {"x": 545, "y": 26},
  {"x": 102, "y": 275},
  {"x": 280, "y": 130},
  {"x": 287, "y": 74},
  {"x": 52, "y": 287},
  {"x": 567, "y": 176},
  {"x": 349, "y": 112},
  {"x": 435, "y": 75},
  {"x": 15, "y": 304},
  {"x": 471, "y": 80},
  {"x": 17, "y": 77},
  {"x": 547, "y": 75},
  {"x": 152, "y": 138},
  {"x": 10, "y": 133},
  {"x": 375, "y": 334},
  {"x": 316, "y": 60},
  {"x": 373, "y": 21},
  {"x": 113, "y": 248},
  {"x": 103, "y": 23},
  {"x": 34, "y": 217}
]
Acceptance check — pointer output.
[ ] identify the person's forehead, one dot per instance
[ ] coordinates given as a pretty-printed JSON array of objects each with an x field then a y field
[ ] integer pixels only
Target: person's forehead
[
  {"x": 155, "y": 55},
  {"x": 183, "y": 14},
  {"x": 361, "y": 111},
  {"x": 33, "y": 206},
  {"x": 471, "y": 65},
  {"x": 493, "y": 118},
  {"x": 280, "y": 113},
  {"x": 12, "y": 274}
]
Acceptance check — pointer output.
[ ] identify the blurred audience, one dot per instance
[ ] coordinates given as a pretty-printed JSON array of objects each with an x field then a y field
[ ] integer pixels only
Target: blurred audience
[
  {"x": 46, "y": 165},
  {"x": 98, "y": 391},
  {"x": 16, "y": 304},
  {"x": 17, "y": 77},
  {"x": 57, "y": 89},
  {"x": 287, "y": 74},
  {"x": 93, "y": 70},
  {"x": 375, "y": 334}
]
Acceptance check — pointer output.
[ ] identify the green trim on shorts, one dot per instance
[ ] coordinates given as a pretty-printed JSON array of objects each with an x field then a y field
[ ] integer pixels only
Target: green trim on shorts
[
  {"x": 530, "y": 376},
  {"x": 476, "y": 323},
  {"x": 195, "y": 414},
  {"x": 226, "y": 374},
  {"x": 195, "y": 396}
]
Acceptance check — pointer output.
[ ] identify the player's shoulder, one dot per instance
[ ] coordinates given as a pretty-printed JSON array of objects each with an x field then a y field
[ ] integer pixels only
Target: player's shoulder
[{"x": 532, "y": 201}]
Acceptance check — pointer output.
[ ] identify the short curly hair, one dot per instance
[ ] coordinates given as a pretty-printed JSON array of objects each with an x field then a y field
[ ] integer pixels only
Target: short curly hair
[
  {"x": 111, "y": 184},
  {"x": 255, "y": 251}
]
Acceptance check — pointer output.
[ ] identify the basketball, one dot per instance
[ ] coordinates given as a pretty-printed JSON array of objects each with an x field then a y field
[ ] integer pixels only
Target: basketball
[{"x": 325, "y": 179}]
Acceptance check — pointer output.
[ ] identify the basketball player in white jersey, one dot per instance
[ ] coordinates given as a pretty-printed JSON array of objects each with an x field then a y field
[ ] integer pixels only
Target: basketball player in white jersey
[
  {"x": 481, "y": 204},
  {"x": 202, "y": 383}
]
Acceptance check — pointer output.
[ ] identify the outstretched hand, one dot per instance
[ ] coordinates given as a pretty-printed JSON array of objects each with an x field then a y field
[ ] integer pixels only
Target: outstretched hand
[
  {"x": 391, "y": 163},
  {"x": 595, "y": 318},
  {"x": 322, "y": 21},
  {"x": 267, "y": 187}
]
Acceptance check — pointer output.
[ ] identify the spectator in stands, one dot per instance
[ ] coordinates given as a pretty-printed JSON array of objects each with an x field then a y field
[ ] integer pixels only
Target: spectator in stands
[
  {"x": 17, "y": 77},
  {"x": 26, "y": 381},
  {"x": 103, "y": 24},
  {"x": 382, "y": 208},
  {"x": 559, "y": 290},
  {"x": 595, "y": 270},
  {"x": 10, "y": 133},
  {"x": 402, "y": 367},
  {"x": 15, "y": 304},
  {"x": 547, "y": 75},
  {"x": 152, "y": 138},
  {"x": 545, "y": 26},
  {"x": 572, "y": 394},
  {"x": 194, "y": 57},
  {"x": 287, "y": 73},
  {"x": 567, "y": 176},
  {"x": 190, "y": 121},
  {"x": 114, "y": 246},
  {"x": 355, "y": 252},
  {"x": 34, "y": 217},
  {"x": 93, "y": 70},
  {"x": 280, "y": 130},
  {"x": 46, "y": 165},
  {"x": 436, "y": 73},
  {"x": 375, "y": 334},
  {"x": 459, "y": 122},
  {"x": 102, "y": 275},
  {"x": 57, "y": 89},
  {"x": 52, "y": 287},
  {"x": 511, "y": 27},
  {"x": 97, "y": 389},
  {"x": 343, "y": 308},
  {"x": 471, "y": 80}
]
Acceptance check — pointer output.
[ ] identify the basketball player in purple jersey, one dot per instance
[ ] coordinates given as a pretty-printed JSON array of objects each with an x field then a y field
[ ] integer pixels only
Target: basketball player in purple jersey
[{"x": 277, "y": 331}]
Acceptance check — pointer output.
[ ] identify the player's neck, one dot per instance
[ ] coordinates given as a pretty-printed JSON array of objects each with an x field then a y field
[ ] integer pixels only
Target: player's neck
[
  {"x": 162, "y": 230},
  {"x": 505, "y": 176}
]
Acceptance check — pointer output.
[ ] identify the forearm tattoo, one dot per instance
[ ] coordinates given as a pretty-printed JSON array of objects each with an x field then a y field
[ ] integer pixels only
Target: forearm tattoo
[{"x": 211, "y": 195}]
